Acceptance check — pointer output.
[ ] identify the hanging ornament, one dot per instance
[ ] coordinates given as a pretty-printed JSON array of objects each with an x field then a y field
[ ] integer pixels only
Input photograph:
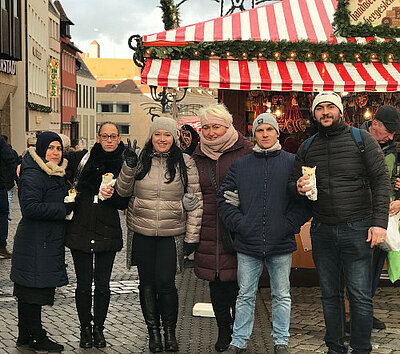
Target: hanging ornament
[
  {"x": 361, "y": 99},
  {"x": 294, "y": 120}
]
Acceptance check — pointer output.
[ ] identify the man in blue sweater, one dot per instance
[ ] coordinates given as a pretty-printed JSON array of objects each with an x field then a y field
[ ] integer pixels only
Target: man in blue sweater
[{"x": 264, "y": 219}]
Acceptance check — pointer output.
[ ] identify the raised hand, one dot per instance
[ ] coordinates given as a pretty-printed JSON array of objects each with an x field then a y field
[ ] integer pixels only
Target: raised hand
[{"x": 129, "y": 155}]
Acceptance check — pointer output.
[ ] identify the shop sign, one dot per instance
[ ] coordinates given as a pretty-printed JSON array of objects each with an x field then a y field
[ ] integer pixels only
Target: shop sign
[
  {"x": 36, "y": 53},
  {"x": 375, "y": 12},
  {"x": 53, "y": 78},
  {"x": 8, "y": 66}
]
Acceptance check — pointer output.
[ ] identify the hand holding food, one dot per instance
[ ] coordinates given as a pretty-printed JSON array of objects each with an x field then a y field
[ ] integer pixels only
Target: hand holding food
[{"x": 312, "y": 192}]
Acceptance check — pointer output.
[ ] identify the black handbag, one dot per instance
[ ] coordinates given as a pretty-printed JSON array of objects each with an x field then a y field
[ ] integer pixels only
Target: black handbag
[{"x": 227, "y": 237}]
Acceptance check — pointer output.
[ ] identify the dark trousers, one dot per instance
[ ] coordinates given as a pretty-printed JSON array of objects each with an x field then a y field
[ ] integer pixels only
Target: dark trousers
[
  {"x": 29, "y": 320},
  {"x": 343, "y": 258},
  {"x": 155, "y": 257},
  {"x": 223, "y": 298},
  {"x": 86, "y": 271},
  {"x": 3, "y": 217}
]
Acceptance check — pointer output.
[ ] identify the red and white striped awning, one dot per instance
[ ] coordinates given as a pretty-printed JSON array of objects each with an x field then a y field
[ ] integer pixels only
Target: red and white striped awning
[
  {"x": 273, "y": 76},
  {"x": 291, "y": 20}
]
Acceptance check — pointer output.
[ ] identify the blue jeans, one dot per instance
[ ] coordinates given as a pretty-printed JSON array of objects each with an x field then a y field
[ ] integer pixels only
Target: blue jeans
[
  {"x": 249, "y": 272},
  {"x": 343, "y": 258}
]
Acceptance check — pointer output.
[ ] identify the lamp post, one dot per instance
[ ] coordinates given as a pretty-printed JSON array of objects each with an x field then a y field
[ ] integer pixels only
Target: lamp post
[{"x": 165, "y": 97}]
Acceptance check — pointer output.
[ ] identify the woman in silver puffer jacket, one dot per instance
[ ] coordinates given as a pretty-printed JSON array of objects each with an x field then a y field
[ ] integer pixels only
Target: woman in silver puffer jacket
[{"x": 157, "y": 182}]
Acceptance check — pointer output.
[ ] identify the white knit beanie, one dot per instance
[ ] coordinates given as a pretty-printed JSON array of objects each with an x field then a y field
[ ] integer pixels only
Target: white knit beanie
[
  {"x": 164, "y": 123},
  {"x": 326, "y": 96},
  {"x": 265, "y": 118}
]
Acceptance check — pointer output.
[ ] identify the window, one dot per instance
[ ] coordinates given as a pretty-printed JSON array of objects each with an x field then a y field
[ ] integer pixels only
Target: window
[
  {"x": 106, "y": 107},
  {"x": 124, "y": 129},
  {"x": 122, "y": 107}
]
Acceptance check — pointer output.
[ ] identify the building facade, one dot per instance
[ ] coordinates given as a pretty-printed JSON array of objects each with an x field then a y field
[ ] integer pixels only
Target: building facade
[{"x": 86, "y": 105}]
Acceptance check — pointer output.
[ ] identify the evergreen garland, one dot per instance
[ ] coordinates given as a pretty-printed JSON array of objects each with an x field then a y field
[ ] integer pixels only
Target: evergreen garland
[
  {"x": 170, "y": 14},
  {"x": 304, "y": 51},
  {"x": 345, "y": 29},
  {"x": 39, "y": 107}
]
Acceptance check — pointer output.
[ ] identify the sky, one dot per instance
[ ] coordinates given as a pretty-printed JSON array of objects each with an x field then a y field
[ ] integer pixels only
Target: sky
[{"x": 111, "y": 23}]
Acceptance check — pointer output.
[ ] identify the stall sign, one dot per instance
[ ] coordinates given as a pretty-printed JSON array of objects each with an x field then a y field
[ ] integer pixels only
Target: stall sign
[
  {"x": 375, "y": 12},
  {"x": 8, "y": 66},
  {"x": 53, "y": 78}
]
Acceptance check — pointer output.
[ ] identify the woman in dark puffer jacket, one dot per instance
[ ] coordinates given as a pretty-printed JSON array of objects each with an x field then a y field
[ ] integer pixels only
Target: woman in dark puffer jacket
[
  {"x": 38, "y": 262},
  {"x": 220, "y": 145}
]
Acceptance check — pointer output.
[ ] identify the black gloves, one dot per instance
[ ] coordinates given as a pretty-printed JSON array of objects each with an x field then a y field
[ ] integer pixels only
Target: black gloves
[
  {"x": 129, "y": 155},
  {"x": 189, "y": 248},
  {"x": 69, "y": 207}
]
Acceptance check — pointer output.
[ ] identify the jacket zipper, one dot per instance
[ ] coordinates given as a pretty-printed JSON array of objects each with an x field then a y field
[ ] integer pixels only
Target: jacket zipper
[
  {"x": 217, "y": 250},
  {"x": 160, "y": 176}
]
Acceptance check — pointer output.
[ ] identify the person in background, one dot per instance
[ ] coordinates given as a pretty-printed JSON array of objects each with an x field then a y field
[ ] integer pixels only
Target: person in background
[
  {"x": 264, "y": 218},
  {"x": 383, "y": 127},
  {"x": 157, "y": 183},
  {"x": 38, "y": 262},
  {"x": 350, "y": 217},
  {"x": 8, "y": 166},
  {"x": 220, "y": 145},
  {"x": 10, "y": 177},
  {"x": 188, "y": 138},
  {"x": 94, "y": 234}
]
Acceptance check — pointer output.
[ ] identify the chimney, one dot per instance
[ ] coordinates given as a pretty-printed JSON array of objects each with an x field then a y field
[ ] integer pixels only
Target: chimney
[{"x": 94, "y": 50}]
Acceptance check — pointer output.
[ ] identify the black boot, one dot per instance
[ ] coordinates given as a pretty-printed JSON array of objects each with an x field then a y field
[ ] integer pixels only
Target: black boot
[
  {"x": 23, "y": 332},
  {"x": 148, "y": 303},
  {"x": 98, "y": 337},
  {"x": 168, "y": 303},
  {"x": 224, "y": 338},
  {"x": 83, "y": 302},
  {"x": 86, "y": 337},
  {"x": 40, "y": 341},
  {"x": 223, "y": 298}
]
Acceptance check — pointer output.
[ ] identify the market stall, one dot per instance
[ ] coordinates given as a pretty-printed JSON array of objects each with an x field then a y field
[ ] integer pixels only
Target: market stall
[{"x": 277, "y": 56}]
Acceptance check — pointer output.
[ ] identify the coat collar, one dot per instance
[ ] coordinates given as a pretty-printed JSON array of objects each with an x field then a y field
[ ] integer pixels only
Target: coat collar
[{"x": 49, "y": 167}]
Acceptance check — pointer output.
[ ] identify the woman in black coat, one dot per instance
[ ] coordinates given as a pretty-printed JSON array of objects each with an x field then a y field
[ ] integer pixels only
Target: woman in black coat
[
  {"x": 94, "y": 233},
  {"x": 38, "y": 262}
]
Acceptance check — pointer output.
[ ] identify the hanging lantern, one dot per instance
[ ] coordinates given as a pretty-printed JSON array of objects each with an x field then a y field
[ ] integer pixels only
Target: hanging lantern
[
  {"x": 278, "y": 113},
  {"x": 367, "y": 114}
]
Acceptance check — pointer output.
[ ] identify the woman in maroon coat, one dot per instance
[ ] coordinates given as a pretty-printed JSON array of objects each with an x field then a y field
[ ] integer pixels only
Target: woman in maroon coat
[{"x": 220, "y": 145}]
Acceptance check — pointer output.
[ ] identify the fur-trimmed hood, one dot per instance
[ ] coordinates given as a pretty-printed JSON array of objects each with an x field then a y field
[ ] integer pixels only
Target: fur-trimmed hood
[{"x": 49, "y": 167}]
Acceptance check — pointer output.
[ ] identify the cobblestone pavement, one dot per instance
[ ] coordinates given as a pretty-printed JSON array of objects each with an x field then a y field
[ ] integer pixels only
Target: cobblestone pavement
[{"x": 126, "y": 332}]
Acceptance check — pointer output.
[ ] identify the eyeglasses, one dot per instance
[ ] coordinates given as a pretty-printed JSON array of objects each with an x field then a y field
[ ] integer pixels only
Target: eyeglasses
[{"x": 105, "y": 137}]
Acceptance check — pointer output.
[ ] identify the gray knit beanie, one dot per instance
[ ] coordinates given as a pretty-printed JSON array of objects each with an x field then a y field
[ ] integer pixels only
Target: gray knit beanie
[
  {"x": 164, "y": 123},
  {"x": 265, "y": 118}
]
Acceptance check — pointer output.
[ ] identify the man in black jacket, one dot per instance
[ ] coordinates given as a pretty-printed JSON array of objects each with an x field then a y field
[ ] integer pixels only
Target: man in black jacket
[
  {"x": 7, "y": 163},
  {"x": 350, "y": 217}
]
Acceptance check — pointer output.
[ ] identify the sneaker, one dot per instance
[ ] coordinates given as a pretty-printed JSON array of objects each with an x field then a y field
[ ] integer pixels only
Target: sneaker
[
  {"x": 232, "y": 350},
  {"x": 378, "y": 324},
  {"x": 4, "y": 252},
  {"x": 281, "y": 349}
]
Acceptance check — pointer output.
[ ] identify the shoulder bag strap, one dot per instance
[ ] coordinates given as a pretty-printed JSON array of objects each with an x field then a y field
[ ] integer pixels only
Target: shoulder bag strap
[{"x": 211, "y": 175}]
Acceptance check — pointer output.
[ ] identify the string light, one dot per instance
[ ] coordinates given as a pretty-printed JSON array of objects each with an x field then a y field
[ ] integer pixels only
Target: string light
[
  {"x": 309, "y": 55},
  {"x": 390, "y": 57},
  {"x": 292, "y": 55},
  {"x": 278, "y": 113},
  {"x": 277, "y": 55},
  {"x": 212, "y": 53},
  {"x": 325, "y": 56},
  {"x": 196, "y": 53},
  {"x": 148, "y": 51},
  {"x": 244, "y": 55},
  {"x": 260, "y": 55},
  {"x": 373, "y": 56},
  {"x": 228, "y": 54},
  {"x": 357, "y": 56},
  {"x": 341, "y": 56}
]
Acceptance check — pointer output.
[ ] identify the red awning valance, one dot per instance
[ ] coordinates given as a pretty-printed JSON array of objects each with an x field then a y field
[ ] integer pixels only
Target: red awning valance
[{"x": 273, "y": 76}]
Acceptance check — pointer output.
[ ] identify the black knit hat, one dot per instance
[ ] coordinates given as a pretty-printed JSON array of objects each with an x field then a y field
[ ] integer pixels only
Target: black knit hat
[
  {"x": 389, "y": 116},
  {"x": 43, "y": 142}
]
